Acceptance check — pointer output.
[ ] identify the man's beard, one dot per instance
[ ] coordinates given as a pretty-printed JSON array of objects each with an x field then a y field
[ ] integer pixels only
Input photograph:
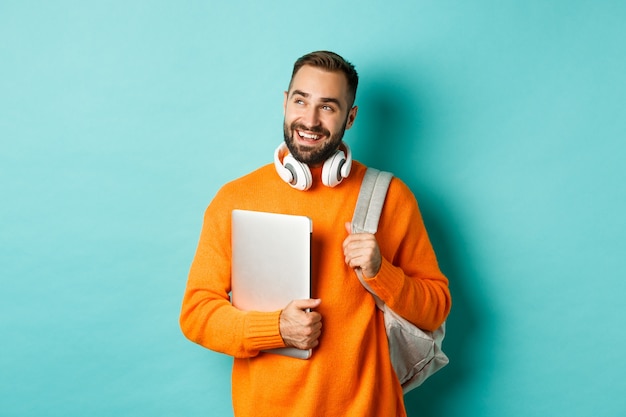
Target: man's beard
[{"x": 310, "y": 155}]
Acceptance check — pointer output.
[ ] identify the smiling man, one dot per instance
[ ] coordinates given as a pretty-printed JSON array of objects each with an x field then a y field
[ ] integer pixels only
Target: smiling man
[
  {"x": 318, "y": 110},
  {"x": 313, "y": 174}
]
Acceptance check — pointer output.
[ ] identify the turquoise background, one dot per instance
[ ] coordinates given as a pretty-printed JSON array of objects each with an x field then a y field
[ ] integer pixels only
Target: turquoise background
[{"x": 119, "y": 120}]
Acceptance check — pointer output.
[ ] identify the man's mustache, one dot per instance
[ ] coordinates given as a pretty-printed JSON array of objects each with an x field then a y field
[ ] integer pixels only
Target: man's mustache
[{"x": 313, "y": 129}]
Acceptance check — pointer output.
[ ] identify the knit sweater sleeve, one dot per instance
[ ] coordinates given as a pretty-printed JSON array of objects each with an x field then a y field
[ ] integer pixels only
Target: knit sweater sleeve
[
  {"x": 207, "y": 317},
  {"x": 409, "y": 281}
]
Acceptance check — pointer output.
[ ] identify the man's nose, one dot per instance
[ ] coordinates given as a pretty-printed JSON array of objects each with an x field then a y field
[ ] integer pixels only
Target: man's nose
[{"x": 312, "y": 117}]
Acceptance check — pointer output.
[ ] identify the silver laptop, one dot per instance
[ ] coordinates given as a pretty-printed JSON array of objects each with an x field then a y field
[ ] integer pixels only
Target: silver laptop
[{"x": 271, "y": 263}]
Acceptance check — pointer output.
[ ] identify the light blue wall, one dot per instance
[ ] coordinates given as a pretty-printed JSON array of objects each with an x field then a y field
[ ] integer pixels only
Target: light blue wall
[{"x": 119, "y": 120}]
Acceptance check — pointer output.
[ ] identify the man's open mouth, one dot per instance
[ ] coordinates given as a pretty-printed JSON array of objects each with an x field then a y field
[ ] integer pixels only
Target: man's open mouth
[{"x": 309, "y": 136}]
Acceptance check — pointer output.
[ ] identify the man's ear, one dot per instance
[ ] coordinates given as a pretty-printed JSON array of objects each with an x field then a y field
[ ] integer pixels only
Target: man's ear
[
  {"x": 285, "y": 102},
  {"x": 351, "y": 116}
]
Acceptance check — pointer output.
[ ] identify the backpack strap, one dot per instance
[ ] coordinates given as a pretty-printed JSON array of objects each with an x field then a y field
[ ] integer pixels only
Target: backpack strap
[
  {"x": 371, "y": 200},
  {"x": 367, "y": 212}
]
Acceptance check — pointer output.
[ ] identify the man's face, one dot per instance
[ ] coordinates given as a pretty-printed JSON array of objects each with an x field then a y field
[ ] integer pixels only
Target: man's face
[{"x": 317, "y": 114}]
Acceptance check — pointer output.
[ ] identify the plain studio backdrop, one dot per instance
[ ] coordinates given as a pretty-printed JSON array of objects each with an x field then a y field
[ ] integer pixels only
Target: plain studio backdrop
[{"x": 120, "y": 120}]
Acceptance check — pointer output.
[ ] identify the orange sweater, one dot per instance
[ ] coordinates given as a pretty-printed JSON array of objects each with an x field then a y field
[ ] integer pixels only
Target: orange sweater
[{"x": 350, "y": 373}]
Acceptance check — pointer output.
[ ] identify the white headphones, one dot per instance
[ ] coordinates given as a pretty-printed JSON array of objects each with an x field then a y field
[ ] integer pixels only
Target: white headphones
[{"x": 298, "y": 174}]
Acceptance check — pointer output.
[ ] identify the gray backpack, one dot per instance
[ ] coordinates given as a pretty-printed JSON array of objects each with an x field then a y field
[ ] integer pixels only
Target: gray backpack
[{"x": 415, "y": 354}]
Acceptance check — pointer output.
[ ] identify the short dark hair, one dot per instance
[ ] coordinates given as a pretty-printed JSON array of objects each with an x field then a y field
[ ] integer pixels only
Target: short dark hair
[{"x": 330, "y": 61}]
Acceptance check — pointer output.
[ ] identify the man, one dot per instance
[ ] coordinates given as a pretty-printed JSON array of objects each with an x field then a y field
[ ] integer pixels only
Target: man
[{"x": 349, "y": 373}]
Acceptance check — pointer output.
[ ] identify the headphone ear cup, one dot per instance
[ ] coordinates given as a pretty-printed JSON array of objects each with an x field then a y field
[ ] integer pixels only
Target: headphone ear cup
[
  {"x": 331, "y": 171},
  {"x": 302, "y": 179}
]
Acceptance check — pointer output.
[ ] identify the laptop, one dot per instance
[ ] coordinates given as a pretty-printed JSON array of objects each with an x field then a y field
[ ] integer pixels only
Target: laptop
[{"x": 271, "y": 263}]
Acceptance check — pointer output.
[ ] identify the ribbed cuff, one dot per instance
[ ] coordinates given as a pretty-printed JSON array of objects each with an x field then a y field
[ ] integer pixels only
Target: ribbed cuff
[
  {"x": 262, "y": 330},
  {"x": 387, "y": 282}
]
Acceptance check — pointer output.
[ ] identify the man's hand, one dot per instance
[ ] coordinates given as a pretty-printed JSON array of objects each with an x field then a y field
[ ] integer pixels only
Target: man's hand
[
  {"x": 300, "y": 328},
  {"x": 361, "y": 251}
]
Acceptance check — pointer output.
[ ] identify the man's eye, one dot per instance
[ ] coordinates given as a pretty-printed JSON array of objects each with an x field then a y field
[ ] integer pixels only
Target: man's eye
[
  {"x": 298, "y": 101},
  {"x": 327, "y": 108}
]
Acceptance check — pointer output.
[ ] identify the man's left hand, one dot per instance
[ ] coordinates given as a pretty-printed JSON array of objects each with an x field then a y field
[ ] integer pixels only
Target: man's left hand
[{"x": 361, "y": 251}]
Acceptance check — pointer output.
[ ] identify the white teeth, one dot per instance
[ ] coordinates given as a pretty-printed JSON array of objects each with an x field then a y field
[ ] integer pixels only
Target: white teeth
[{"x": 308, "y": 136}]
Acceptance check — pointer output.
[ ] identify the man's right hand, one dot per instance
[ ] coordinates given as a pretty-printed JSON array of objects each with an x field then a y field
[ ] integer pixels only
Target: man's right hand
[{"x": 300, "y": 328}]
